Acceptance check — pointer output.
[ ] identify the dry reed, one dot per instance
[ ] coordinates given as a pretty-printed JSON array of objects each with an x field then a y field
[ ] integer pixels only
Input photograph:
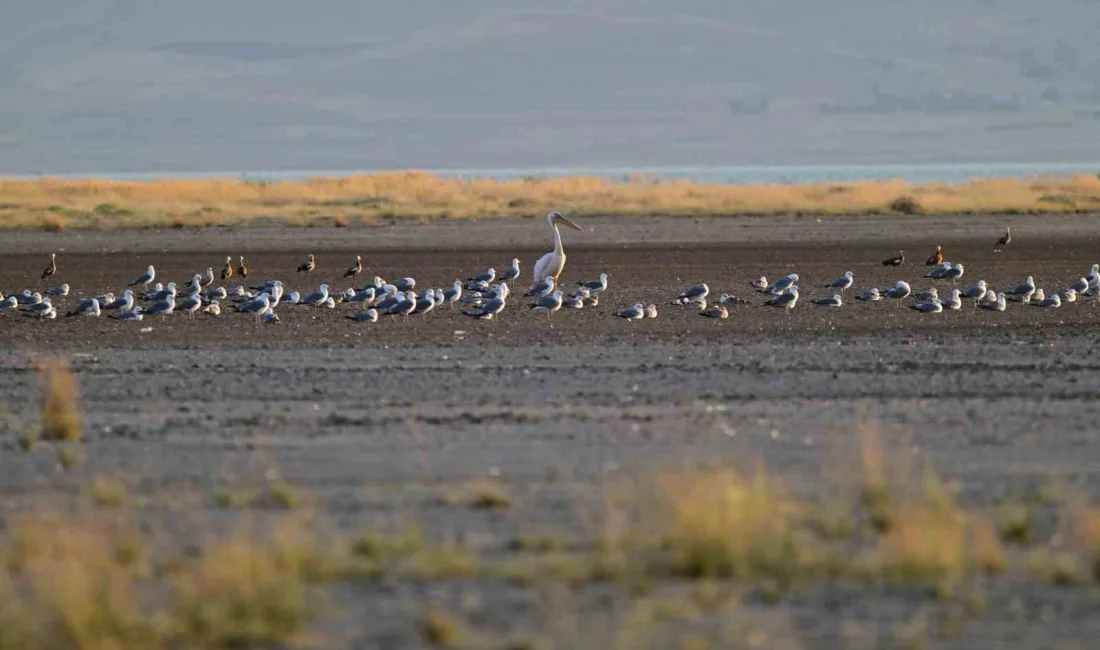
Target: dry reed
[{"x": 58, "y": 204}]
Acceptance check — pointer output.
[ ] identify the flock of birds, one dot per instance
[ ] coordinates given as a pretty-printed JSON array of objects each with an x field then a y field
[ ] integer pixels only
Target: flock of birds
[{"x": 485, "y": 295}]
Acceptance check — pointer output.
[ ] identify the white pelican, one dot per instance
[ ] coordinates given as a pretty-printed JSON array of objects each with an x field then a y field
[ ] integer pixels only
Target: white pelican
[{"x": 553, "y": 262}]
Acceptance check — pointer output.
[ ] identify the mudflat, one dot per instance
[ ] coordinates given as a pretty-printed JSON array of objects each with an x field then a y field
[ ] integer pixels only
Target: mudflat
[{"x": 386, "y": 426}]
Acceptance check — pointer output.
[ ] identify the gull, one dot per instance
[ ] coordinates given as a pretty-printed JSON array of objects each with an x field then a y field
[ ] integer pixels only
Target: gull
[
  {"x": 1069, "y": 295},
  {"x": 190, "y": 304},
  {"x": 236, "y": 292},
  {"x": 651, "y": 311},
  {"x": 259, "y": 304},
  {"x": 9, "y": 303},
  {"x": 51, "y": 268},
  {"x": 87, "y": 307},
  {"x": 782, "y": 284},
  {"x": 389, "y": 300},
  {"x": 830, "y": 301},
  {"x": 841, "y": 283},
  {"x": 454, "y": 294},
  {"x": 243, "y": 297},
  {"x": 634, "y": 312},
  {"x": 39, "y": 308},
  {"x": 1003, "y": 242},
  {"x": 145, "y": 278},
  {"x": 170, "y": 290},
  {"x": 241, "y": 268},
  {"x": 1079, "y": 286},
  {"x": 595, "y": 286},
  {"x": 870, "y": 295},
  {"x": 730, "y": 300},
  {"x": 897, "y": 260},
  {"x": 28, "y": 298},
  {"x": 928, "y": 296},
  {"x": 213, "y": 309},
  {"x": 760, "y": 283},
  {"x": 134, "y": 314},
  {"x": 480, "y": 285},
  {"x": 404, "y": 307},
  {"x": 936, "y": 258},
  {"x": 218, "y": 293},
  {"x": 1053, "y": 301},
  {"x": 163, "y": 307},
  {"x": 426, "y": 303},
  {"x": 512, "y": 272},
  {"x": 269, "y": 317},
  {"x": 292, "y": 298},
  {"x": 938, "y": 270},
  {"x": 1023, "y": 292},
  {"x": 308, "y": 265},
  {"x": 553, "y": 263},
  {"x": 368, "y": 316},
  {"x": 207, "y": 277},
  {"x": 405, "y": 284},
  {"x": 1038, "y": 296},
  {"x": 954, "y": 273},
  {"x": 355, "y": 269},
  {"x": 953, "y": 301},
  {"x": 366, "y": 295},
  {"x": 317, "y": 297},
  {"x": 930, "y": 307},
  {"x": 1094, "y": 277},
  {"x": 63, "y": 290},
  {"x": 548, "y": 304},
  {"x": 491, "y": 308},
  {"x": 544, "y": 288},
  {"x": 105, "y": 299},
  {"x": 487, "y": 277},
  {"x": 787, "y": 299},
  {"x": 990, "y": 296},
  {"x": 574, "y": 302},
  {"x": 898, "y": 291},
  {"x": 976, "y": 290},
  {"x": 997, "y": 305},
  {"x": 696, "y": 293},
  {"x": 195, "y": 285},
  {"x": 329, "y": 302},
  {"x": 227, "y": 270},
  {"x": 698, "y": 304},
  {"x": 716, "y": 311}
]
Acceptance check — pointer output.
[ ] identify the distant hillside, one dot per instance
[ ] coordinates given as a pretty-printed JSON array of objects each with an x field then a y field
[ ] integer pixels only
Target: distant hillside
[{"x": 127, "y": 85}]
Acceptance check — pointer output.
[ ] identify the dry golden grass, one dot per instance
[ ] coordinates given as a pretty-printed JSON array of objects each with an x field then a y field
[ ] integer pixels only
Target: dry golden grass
[
  {"x": 56, "y": 204},
  {"x": 483, "y": 493},
  {"x": 60, "y": 402}
]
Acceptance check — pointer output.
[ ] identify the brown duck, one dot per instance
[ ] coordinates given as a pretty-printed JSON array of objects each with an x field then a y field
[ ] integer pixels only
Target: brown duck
[
  {"x": 895, "y": 261},
  {"x": 308, "y": 265},
  {"x": 936, "y": 258}
]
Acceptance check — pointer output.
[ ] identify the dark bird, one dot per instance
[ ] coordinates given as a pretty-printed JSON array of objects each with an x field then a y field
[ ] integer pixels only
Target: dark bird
[
  {"x": 1003, "y": 242},
  {"x": 895, "y": 261},
  {"x": 308, "y": 265},
  {"x": 242, "y": 269},
  {"x": 936, "y": 258},
  {"x": 352, "y": 271},
  {"x": 52, "y": 268},
  {"x": 227, "y": 270}
]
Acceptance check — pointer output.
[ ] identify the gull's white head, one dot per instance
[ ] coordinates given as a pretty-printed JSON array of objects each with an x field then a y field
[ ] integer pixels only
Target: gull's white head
[{"x": 556, "y": 218}]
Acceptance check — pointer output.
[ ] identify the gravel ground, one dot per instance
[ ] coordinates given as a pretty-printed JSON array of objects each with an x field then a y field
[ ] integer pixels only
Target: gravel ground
[{"x": 373, "y": 422}]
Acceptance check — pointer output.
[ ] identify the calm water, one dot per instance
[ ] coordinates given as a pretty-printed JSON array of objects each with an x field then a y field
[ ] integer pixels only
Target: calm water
[{"x": 950, "y": 173}]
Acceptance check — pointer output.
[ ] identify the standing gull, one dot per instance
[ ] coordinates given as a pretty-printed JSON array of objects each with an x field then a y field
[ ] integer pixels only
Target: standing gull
[
  {"x": 595, "y": 286},
  {"x": 841, "y": 283},
  {"x": 145, "y": 278},
  {"x": 787, "y": 299},
  {"x": 782, "y": 284},
  {"x": 512, "y": 272},
  {"x": 491, "y": 307},
  {"x": 976, "y": 290},
  {"x": 899, "y": 291},
  {"x": 487, "y": 277},
  {"x": 548, "y": 304},
  {"x": 405, "y": 284},
  {"x": 954, "y": 273},
  {"x": 544, "y": 288},
  {"x": 553, "y": 262},
  {"x": 953, "y": 301},
  {"x": 454, "y": 294}
]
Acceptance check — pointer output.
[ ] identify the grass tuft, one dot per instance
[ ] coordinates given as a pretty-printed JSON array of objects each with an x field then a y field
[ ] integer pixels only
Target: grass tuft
[
  {"x": 108, "y": 493},
  {"x": 442, "y": 630},
  {"x": 59, "y": 402}
]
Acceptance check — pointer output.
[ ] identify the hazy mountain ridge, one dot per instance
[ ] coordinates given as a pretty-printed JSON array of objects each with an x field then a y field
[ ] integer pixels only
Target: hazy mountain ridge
[{"x": 128, "y": 85}]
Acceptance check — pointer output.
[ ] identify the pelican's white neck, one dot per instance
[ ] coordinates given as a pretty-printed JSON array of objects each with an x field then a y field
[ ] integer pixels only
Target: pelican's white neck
[{"x": 557, "y": 239}]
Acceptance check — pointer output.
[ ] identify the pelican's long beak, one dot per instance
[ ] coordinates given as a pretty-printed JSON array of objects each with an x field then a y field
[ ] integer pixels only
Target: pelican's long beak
[{"x": 567, "y": 222}]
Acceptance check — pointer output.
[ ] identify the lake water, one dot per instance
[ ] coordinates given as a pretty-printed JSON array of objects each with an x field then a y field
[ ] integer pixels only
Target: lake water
[{"x": 948, "y": 173}]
